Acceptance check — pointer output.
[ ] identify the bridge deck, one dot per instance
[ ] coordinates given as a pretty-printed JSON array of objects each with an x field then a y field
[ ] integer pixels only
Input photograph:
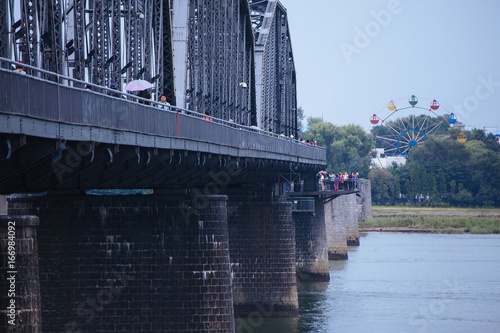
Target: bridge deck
[{"x": 58, "y": 137}]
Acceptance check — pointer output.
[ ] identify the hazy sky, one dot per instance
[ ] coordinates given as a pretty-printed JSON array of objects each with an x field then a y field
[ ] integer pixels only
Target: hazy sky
[{"x": 353, "y": 56}]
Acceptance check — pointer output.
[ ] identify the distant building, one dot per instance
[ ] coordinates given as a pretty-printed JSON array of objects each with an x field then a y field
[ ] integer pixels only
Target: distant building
[
  {"x": 497, "y": 136},
  {"x": 384, "y": 161},
  {"x": 493, "y": 130},
  {"x": 490, "y": 129}
]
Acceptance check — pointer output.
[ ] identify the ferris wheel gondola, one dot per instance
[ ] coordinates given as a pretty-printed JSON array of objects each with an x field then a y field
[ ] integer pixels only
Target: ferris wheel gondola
[
  {"x": 434, "y": 105},
  {"x": 399, "y": 136},
  {"x": 452, "y": 118},
  {"x": 374, "y": 119},
  {"x": 413, "y": 100},
  {"x": 461, "y": 137}
]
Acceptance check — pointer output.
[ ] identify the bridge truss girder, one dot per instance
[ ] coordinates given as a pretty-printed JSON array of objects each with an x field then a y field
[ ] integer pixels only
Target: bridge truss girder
[
  {"x": 98, "y": 41},
  {"x": 4, "y": 30},
  {"x": 220, "y": 76},
  {"x": 275, "y": 69}
]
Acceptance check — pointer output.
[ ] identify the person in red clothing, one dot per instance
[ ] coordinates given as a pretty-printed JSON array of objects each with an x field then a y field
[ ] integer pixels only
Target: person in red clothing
[{"x": 207, "y": 116}]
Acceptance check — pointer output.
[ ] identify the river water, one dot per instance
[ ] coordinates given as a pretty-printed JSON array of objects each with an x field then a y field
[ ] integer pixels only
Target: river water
[{"x": 401, "y": 283}]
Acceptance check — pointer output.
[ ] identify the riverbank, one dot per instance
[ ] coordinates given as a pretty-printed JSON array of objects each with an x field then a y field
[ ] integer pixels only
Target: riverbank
[{"x": 432, "y": 220}]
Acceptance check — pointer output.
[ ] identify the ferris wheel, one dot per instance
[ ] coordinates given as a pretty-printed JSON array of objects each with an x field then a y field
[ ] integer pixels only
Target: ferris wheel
[{"x": 399, "y": 132}]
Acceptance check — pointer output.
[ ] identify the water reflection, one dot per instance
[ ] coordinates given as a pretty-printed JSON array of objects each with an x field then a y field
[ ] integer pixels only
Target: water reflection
[
  {"x": 312, "y": 299},
  {"x": 256, "y": 324},
  {"x": 312, "y": 302},
  {"x": 401, "y": 283}
]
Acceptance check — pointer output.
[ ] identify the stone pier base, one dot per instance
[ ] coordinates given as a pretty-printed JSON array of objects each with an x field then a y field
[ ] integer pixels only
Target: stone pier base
[
  {"x": 311, "y": 244},
  {"x": 335, "y": 232},
  {"x": 364, "y": 200},
  {"x": 3, "y": 205},
  {"x": 20, "y": 305},
  {"x": 345, "y": 208},
  {"x": 152, "y": 263},
  {"x": 262, "y": 250}
]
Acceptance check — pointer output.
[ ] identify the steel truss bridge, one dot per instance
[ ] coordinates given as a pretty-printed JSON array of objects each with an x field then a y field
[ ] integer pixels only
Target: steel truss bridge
[{"x": 231, "y": 59}]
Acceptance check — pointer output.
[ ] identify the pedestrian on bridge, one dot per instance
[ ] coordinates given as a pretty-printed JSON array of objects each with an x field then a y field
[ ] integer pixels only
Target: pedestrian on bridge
[
  {"x": 144, "y": 94},
  {"x": 114, "y": 93},
  {"x": 207, "y": 116},
  {"x": 164, "y": 105},
  {"x": 19, "y": 68}
]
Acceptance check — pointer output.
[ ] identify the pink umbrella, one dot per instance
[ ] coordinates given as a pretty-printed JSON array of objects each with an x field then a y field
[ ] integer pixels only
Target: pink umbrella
[
  {"x": 323, "y": 172},
  {"x": 138, "y": 85}
]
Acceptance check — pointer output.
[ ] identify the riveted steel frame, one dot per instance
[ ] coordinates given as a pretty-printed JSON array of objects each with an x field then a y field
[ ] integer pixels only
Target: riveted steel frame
[
  {"x": 79, "y": 41},
  {"x": 115, "y": 62},
  {"x": 164, "y": 50},
  {"x": 278, "y": 102},
  {"x": 29, "y": 15},
  {"x": 4, "y": 30},
  {"x": 51, "y": 36},
  {"x": 219, "y": 69}
]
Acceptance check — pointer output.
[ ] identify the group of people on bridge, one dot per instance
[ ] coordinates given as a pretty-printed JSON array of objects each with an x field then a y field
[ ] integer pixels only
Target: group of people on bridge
[{"x": 337, "y": 182}]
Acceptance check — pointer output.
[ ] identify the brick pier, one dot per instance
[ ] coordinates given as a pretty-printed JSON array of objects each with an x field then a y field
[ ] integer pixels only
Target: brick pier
[
  {"x": 132, "y": 263},
  {"x": 20, "y": 306},
  {"x": 311, "y": 245},
  {"x": 262, "y": 247}
]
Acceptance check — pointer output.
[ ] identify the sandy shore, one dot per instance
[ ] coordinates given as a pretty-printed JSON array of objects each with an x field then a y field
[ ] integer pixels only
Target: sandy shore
[
  {"x": 435, "y": 213},
  {"x": 426, "y": 212},
  {"x": 395, "y": 229}
]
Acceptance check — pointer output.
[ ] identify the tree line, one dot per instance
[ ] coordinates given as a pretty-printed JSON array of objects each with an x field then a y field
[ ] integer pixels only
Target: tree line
[{"x": 441, "y": 172}]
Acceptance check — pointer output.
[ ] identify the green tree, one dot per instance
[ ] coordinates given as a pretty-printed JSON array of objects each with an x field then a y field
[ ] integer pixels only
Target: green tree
[
  {"x": 443, "y": 153},
  {"x": 347, "y": 147},
  {"x": 395, "y": 187},
  {"x": 380, "y": 182},
  {"x": 313, "y": 121},
  {"x": 441, "y": 182},
  {"x": 453, "y": 186},
  {"x": 300, "y": 118}
]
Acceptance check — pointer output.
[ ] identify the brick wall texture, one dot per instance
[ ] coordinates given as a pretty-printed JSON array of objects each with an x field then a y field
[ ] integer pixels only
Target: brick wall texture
[
  {"x": 132, "y": 263},
  {"x": 335, "y": 231},
  {"x": 262, "y": 251},
  {"x": 23, "y": 280},
  {"x": 364, "y": 201},
  {"x": 311, "y": 245},
  {"x": 345, "y": 209}
]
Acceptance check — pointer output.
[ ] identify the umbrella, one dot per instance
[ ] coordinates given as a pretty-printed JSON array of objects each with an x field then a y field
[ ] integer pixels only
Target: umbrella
[
  {"x": 323, "y": 172},
  {"x": 138, "y": 85}
]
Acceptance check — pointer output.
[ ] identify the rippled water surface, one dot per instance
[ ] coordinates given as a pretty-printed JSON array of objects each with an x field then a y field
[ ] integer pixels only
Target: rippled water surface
[{"x": 403, "y": 283}]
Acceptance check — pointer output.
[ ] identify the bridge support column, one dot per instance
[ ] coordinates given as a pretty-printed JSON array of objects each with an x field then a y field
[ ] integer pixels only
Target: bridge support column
[
  {"x": 152, "y": 263},
  {"x": 311, "y": 244},
  {"x": 345, "y": 210},
  {"x": 335, "y": 231},
  {"x": 262, "y": 250},
  {"x": 20, "y": 309},
  {"x": 3, "y": 205},
  {"x": 364, "y": 200}
]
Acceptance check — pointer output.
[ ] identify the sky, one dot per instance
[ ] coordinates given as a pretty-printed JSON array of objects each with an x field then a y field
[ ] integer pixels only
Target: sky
[{"x": 353, "y": 56}]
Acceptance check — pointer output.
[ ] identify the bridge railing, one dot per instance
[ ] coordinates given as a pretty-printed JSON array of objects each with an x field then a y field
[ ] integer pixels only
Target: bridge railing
[{"x": 46, "y": 95}]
